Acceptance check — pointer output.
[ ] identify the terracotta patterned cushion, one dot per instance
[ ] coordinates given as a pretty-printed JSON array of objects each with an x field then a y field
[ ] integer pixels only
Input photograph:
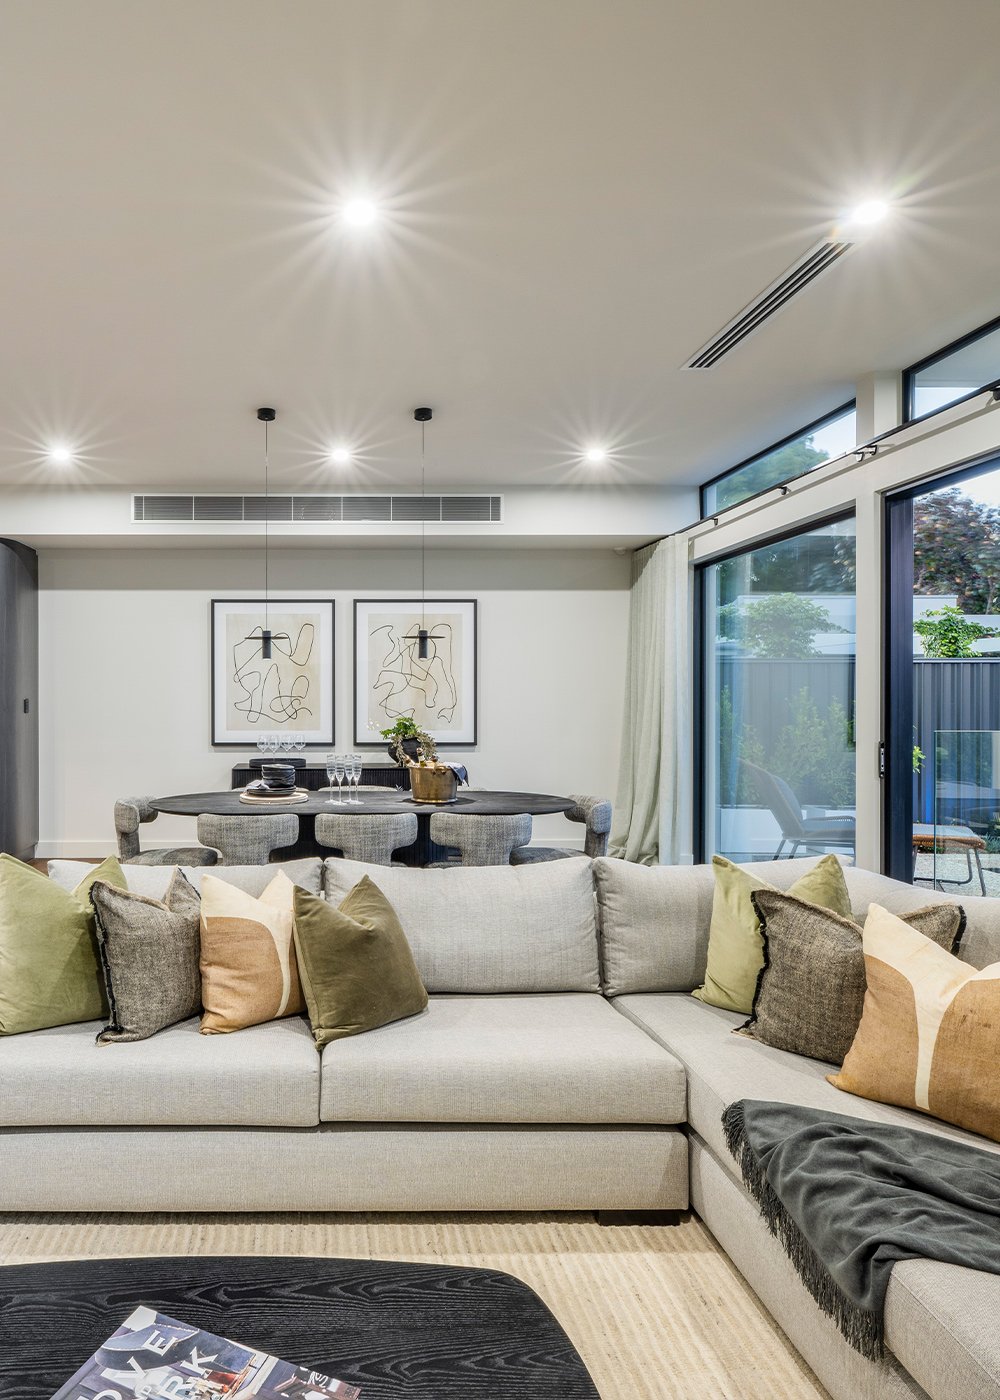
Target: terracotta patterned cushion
[{"x": 248, "y": 967}]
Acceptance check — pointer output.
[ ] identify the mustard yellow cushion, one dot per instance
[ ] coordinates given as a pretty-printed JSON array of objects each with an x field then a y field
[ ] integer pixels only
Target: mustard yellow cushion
[{"x": 735, "y": 946}]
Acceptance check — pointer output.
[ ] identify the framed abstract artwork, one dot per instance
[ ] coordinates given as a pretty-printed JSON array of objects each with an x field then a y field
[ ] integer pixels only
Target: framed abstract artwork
[
  {"x": 291, "y": 692},
  {"x": 393, "y": 679}
]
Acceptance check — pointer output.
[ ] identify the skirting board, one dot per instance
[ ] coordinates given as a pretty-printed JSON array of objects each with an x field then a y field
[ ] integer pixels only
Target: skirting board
[{"x": 344, "y": 1167}]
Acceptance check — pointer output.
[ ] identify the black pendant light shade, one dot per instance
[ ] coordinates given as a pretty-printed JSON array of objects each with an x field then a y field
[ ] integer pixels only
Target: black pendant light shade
[{"x": 422, "y": 637}]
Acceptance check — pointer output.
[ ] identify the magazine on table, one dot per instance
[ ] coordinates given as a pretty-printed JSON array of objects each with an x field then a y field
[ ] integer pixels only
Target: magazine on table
[{"x": 152, "y": 1357}]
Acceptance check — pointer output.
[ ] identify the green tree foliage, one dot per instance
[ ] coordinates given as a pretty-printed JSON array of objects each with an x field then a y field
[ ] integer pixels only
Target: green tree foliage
[
  {"x": 945, "y": 632},
  {"x": 956, "y": 549},
  {"x": 814, "y": 753},
  {"x": 778, "y": 625},
  {"x": 771, "y": 470},
  {"x": 735, "y": 786}
]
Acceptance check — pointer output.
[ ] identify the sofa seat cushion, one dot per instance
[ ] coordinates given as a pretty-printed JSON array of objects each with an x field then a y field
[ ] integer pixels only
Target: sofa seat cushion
[
  {"x": 490, "y": 928},
  {"x": 265, "y": 1076},
  {"x": 557, "y": 1058},
  {"x": 722, "y": 1067},
  {"x": 153, "y": 880}
]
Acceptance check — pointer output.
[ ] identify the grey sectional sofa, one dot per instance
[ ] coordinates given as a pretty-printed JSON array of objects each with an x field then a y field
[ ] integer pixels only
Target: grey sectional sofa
[{"x": 561, "y": 1065}]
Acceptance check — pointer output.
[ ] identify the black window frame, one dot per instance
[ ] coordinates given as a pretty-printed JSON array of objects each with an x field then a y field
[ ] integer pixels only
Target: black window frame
[
  {"x": 706, "y": 514},
  {"x": 910, "y": 374},
  {"x": 702, "y": 656}
]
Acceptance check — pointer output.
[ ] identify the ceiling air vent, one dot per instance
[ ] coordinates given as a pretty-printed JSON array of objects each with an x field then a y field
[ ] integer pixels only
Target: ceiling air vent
[
  {"x": 305, "y": 510},
  {"x": 770, "y": 301}
]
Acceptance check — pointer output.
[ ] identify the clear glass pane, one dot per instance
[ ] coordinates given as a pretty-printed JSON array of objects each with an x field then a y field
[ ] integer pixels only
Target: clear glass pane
[
  {"x": 779, "y": 760},
  {"x": 803, "y": 454},
  {"x": 960, "y": 850},
  {"x": 952, "y": 376}
]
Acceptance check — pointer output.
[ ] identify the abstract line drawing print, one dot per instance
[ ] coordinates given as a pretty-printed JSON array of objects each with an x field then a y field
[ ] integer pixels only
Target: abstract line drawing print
[
  {"x": 404, "y": 681},
  {"x": 278, "y": 690}
]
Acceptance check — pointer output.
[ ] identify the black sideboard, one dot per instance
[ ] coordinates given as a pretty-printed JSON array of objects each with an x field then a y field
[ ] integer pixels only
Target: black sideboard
[{"x": 312, "y": 776}]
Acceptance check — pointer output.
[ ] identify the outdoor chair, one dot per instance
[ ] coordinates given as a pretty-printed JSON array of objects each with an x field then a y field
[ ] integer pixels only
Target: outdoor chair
[
  {"x": 130, "y": 814},
  {"x": 796, "y": 829}
]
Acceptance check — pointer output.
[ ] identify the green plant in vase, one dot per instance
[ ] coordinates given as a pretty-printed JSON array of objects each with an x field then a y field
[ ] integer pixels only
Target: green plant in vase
[{"x": 407, "y": 741}]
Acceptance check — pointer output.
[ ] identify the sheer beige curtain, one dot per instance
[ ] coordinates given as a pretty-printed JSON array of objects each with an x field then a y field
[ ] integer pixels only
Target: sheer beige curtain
[{"x": 653, "y": 816}]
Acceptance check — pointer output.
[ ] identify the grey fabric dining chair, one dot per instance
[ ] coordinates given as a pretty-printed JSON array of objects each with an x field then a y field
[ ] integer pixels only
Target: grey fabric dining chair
[
  {"x": 130, "y": 814},
  {"x": 371, "y": 838},
  {"x": 480, "y": 840},
  {"x": 811, "y": 833},
  {"x": 250, "y": 839},
  {"x": 594, "y": 813}
]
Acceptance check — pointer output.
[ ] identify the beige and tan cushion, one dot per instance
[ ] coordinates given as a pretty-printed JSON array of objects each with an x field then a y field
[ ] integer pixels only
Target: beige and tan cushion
[
  {"x": 267, "y": 1076},
  {"x": 527, "y": 928},
  {"x": 249, "y": 972},
  {"x": 930, "y": 1032},
  {"x": 558, "y": 1058}
]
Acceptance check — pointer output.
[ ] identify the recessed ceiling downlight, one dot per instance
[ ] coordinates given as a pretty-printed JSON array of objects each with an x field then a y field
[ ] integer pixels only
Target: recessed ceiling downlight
[
  {"x": 60, "y": 454},
  {"x": 360, "y": 213},
  {"x": 868, "y": 212},
  {"x": 340, "y": 455},
  {"x": 595, "y": 455}
]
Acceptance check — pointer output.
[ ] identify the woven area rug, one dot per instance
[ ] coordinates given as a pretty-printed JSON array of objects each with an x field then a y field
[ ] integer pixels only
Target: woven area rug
[{"x": 657, "y": 1313}]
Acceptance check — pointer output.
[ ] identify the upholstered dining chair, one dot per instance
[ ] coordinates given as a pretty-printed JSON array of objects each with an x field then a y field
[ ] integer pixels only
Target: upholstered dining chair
[
  {"x": 811, "y": 833},
  {"x": 594, "y": 813},
  {"x": 372, "y": 837},
  {"x": 130, "y": 813},
  {"x": 480, "y": 840},
  {"x": 250, "y": 839}
]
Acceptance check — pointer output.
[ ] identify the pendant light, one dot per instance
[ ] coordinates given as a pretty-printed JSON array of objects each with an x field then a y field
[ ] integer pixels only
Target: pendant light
[
  {"x": 422, "y": 637},
  {"x": 267, "y": 416}
]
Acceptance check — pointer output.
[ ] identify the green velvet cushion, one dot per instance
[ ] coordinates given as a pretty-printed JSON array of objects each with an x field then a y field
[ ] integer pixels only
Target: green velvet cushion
[
  {"x": 735, "y": 947},
  {"x": 356, "y": 967},
  {"x": 50, "y": 971}
]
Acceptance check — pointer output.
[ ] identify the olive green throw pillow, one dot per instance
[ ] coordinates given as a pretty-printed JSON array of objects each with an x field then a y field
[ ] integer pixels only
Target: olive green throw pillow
[
  {"x": 50, "y": 971},
  {"x": 735, "y": 947},
  {"x": 355, "y": 965}
]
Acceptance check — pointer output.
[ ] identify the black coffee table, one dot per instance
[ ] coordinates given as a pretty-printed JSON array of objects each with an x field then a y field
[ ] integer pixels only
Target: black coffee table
[{"x": 399, "y": 1331}]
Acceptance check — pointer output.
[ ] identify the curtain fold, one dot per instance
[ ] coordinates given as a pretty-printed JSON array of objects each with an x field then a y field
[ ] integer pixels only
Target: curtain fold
[{"x": 653, "y": 810}]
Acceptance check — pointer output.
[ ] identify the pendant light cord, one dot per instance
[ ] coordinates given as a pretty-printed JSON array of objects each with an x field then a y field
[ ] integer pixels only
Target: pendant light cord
[
  {"x": 423, "y": 528},
  {"x": 267, "y": 514}
]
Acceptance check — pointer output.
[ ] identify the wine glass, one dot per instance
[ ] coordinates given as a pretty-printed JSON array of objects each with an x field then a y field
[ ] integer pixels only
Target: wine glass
[
  {"x": 354, "y": 776},
  {"x": 332, "y": 765}
]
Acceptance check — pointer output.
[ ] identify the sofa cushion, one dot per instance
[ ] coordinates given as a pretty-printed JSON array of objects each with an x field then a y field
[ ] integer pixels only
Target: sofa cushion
[
  {"x": 249, "y": 973},
  {"x": 267, "y": 1075},
  {"x": 553, "y": 1058},
  {"x": 722, "y": 1067},
  {"x": 152, "y": 880},
  {"x": 655, "y": 920},
  {"x": 490, "y": 928}
]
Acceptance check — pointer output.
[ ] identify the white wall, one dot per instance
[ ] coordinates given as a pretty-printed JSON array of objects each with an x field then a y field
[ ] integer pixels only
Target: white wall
[{"x": 125, "y": 685}]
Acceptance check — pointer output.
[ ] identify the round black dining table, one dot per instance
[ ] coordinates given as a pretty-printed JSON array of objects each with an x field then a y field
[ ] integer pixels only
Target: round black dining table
[{"x": 472, "y": 802}]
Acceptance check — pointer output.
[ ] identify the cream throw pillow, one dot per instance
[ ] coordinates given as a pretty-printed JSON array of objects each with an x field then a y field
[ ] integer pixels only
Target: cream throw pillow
[
  {"x": 735, "y": 945},
  {"x": 930, "y": 1031},
  {"x": 248, "y": 968}
]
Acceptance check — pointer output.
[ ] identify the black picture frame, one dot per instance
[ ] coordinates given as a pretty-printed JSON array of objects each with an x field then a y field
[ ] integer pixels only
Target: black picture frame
[
  {"x": 328, "y": 669},
  {"x": 470, "y": 737}
]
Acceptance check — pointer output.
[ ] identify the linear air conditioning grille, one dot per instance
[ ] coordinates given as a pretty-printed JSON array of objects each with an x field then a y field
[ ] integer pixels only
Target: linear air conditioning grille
[
  {"x": 467, "y": 508},
  {"x": 277, "y": 508},
  {"x": 320, "y": 508},
  {"x": 218, "y": 508},
  {"x": 167, "y": 507},
  {"x": 407, "y": 508},
  {"x": 304, "y": 510},
  {"x": 772, "y": 300},
  {"x": 367, "y": 508}
]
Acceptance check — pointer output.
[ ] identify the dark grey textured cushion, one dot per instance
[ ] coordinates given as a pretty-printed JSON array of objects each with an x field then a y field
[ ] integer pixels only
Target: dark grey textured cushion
[
  {"x": 811, "y": 989},
  {"x": 150, "y": 954}
]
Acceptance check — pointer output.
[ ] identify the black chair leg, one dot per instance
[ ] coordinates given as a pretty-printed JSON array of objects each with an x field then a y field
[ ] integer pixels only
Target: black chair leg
[{"x": 781, "y": 847}]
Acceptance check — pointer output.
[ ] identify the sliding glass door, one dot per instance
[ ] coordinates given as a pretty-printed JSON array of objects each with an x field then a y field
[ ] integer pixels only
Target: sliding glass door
[
  {"x": 943, "y": 711},
  {"x": 777, "y": 698}
]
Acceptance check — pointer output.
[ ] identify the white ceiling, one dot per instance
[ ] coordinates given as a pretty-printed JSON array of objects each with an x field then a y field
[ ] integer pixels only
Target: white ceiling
[{"x": 579, "y": 193}]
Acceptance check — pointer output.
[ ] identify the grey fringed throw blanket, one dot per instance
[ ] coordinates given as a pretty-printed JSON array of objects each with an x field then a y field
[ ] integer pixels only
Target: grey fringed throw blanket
[{"x": 848, "y": 1198}]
